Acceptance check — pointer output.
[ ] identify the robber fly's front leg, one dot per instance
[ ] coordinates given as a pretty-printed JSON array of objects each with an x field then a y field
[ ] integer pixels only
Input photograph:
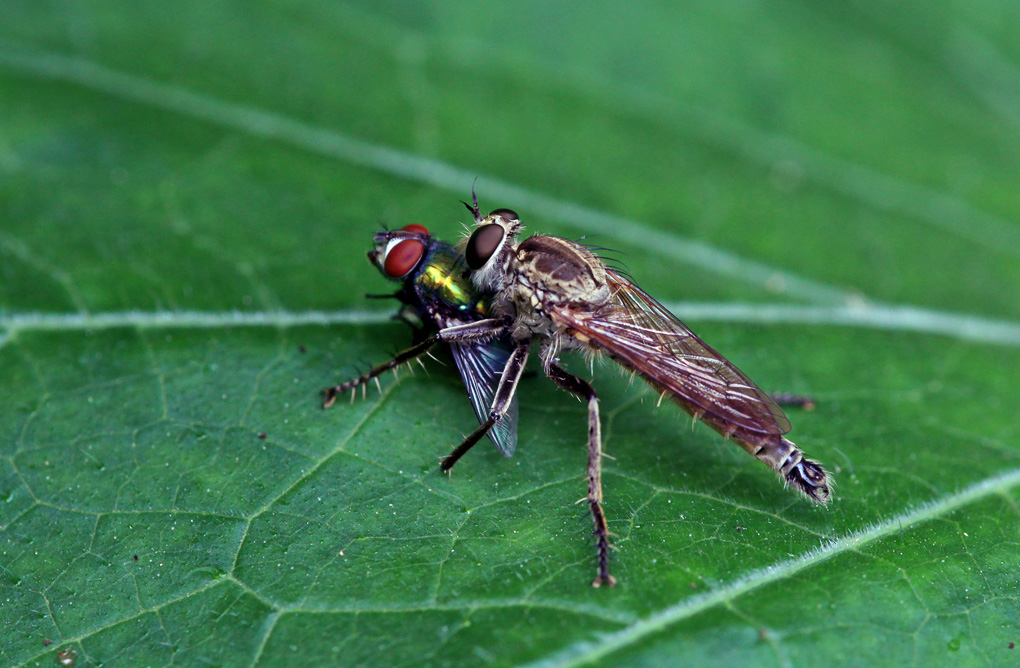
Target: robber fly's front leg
[
  {"x": 500, "y": 403},
  {"x": 472, "y": 331}
]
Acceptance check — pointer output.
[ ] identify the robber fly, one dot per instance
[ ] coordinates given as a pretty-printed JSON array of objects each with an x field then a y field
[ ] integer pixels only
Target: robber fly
[
  {"x": 436, "y": 294},
  {"x": 560, "y": 295}
]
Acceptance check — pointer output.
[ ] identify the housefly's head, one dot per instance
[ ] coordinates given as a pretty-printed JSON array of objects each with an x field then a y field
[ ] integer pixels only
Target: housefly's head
[{"x": 398, "y": 252}]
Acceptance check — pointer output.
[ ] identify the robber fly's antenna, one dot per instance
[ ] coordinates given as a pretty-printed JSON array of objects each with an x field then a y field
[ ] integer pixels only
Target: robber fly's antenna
[{"x": 474, "y": 200}]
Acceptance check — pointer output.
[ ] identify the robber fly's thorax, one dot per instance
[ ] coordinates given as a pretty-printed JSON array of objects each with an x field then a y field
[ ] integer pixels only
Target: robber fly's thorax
[
  {"x": 550, "y": 270},
  {"x": 547, "y": 272}
]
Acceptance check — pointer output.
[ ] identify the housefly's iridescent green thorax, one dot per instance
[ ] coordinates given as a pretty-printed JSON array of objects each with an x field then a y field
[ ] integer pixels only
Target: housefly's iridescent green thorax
[{"x": 436, "y": 294}]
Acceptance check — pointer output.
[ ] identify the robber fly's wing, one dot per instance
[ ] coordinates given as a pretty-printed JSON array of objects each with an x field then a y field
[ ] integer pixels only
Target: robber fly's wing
[
  {"x": 481, "y": 367},
  {"x": 643, "y": 336}
]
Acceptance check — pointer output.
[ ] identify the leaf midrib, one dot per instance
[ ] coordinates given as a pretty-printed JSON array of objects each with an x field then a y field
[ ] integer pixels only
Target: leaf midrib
[{"x": 874, "y": 316}]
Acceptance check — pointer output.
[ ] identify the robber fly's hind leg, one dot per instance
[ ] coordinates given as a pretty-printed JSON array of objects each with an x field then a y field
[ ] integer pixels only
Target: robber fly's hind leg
[
  {"x": 330, "y": 394},
  {"x": 500, "y": 403},
  {"x": 581, "y": 389},
  {"x": 788, "y": 399}
]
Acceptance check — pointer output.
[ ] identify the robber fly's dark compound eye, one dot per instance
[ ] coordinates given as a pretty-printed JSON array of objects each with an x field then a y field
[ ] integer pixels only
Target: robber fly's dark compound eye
[
  {"x": 402, "y": 257},
  {"x": 505, "y": 214},
  {"x": 482, "y": 244}
]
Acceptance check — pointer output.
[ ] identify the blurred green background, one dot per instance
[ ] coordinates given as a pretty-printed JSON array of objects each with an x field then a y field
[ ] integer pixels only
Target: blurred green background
[{"x": 825, "y": 191}]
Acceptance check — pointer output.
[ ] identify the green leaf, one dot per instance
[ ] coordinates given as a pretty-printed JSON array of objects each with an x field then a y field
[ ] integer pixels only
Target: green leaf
[{"x": 826, "y": 192}]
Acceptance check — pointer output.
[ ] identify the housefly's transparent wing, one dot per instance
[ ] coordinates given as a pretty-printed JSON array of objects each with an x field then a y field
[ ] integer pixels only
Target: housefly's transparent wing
[
  {"x": 481, "y": 366},
  {"x": 639, "y": 333}
]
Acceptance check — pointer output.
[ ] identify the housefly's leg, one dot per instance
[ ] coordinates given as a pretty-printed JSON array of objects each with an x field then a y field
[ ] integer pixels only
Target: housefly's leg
[
  {"x": 473, "y": 331},
  {"x": 329, "y": 395},
  {"x": 581, "y": 389},
  {"x": 500, "y": 402}
]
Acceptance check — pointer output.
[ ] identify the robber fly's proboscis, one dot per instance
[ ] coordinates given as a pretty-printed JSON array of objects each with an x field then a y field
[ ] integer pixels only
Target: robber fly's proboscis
[
  {"x": 559, "y": 295},
  {"x": 436, "y": 294}
]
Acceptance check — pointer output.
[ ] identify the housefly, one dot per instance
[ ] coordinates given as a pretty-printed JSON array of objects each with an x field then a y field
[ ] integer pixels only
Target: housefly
[
  {"x": 560, "y": 295},
  {"x": 436, "y": 294}
]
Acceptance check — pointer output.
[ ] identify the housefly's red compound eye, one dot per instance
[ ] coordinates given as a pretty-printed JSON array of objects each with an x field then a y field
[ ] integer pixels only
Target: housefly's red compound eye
[
  {"x": 420, "y": 229},
  {"x": 404, "y": 256}
]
